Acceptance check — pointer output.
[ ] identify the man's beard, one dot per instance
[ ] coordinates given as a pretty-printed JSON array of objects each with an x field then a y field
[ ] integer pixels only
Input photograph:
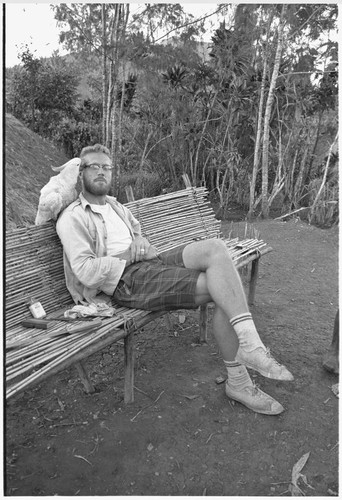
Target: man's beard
[{"x": 96, "y": 188}]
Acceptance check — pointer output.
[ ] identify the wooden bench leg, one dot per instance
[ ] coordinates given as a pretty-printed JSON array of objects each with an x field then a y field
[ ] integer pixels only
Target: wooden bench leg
[
  {"x": 88, "y": 386},
  {"x": 129, "y": 368},
  {"x": 253, "y": 281},
  {"x": 203, "y": 324}
]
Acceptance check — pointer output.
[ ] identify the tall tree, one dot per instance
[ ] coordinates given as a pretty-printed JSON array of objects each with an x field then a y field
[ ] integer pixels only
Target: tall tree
[
  {"x": 119, "y": 35},
  {"x": 104, "y": 71},
  {"x": 257, "y": 147},
  {"x": 266, "y": 136}
]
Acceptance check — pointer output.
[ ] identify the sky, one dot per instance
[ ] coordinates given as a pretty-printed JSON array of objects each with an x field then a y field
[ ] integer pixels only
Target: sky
[{"x": 33, "y": 24}]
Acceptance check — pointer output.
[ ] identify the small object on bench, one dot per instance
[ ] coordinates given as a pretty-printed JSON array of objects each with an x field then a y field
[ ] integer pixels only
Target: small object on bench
[
  {"x": 90, "y": 325},
  {"x": 36, "y": 309},
  {"x": 36, "y": 323},
  {"x": 47, "y": 322},
  {"x": 69, "y": 319}
]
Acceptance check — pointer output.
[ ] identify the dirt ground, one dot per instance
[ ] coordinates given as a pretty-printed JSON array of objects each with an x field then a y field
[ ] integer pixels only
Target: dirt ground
[{"x": 182, "y": 436}]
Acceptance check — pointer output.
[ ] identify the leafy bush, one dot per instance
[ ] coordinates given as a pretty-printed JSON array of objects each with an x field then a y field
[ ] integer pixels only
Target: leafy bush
[
  {"x": 73, "y": 135},
  {"x": 144, "y": 185},
  {"x": 326, "y": 211}
]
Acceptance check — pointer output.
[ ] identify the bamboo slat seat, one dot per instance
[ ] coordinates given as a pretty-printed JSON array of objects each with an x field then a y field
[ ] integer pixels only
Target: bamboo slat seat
[{"x": 34, "y": 268}]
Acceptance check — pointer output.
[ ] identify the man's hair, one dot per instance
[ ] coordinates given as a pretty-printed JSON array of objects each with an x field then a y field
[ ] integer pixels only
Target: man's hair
[{"x": 96, "y": 148}]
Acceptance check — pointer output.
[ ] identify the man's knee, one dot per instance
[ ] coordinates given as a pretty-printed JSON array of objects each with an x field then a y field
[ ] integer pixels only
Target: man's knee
[
  {"x": 217, "y": 248},
  {"x": 202, "y": 254}
]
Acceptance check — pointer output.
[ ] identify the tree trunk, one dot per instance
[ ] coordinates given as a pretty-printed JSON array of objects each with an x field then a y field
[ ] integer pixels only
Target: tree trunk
[
  {"x": 279, "y": 181},
  {"x": 256, "y": 158},
  {"x": 313, "y": 152},
  {"x": 304, "y": 170},
  {"x": 116, "y": 165},
  {"x": 119, "y": 33},
  {"x": 257, "y": 143},
  {"x": 312, "y": 209},
  {"x": 269, "y": 103},
  {"x": 104, "y": 75},
  {"x": 115, "y": 39},
  {"x": 109, "y": 100},
  {"x": 123, "y": 78}
]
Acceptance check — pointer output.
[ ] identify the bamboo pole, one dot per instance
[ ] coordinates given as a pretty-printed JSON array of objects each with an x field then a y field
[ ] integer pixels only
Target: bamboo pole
[{"x": 291, "y": 213}]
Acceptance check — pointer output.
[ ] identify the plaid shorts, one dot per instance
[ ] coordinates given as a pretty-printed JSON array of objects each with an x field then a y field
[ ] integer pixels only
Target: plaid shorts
[{"x": 158, "y": 284}]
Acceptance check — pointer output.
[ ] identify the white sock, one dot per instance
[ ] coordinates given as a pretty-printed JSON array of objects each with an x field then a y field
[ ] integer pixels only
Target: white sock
[
  {"x": 246, "y": 332},
  {"x": 238, "y": 376}
]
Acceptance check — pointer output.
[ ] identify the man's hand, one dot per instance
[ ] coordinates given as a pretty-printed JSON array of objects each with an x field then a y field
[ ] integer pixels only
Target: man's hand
[{"x": 141, "y": 249}]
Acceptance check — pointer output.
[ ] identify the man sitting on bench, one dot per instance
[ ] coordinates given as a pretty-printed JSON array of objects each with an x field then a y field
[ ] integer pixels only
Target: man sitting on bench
[{"x": 105, "y": 252}]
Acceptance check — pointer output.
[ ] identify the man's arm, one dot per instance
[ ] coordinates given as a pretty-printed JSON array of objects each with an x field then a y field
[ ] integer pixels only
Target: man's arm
[{"x": 99, "y": 272}]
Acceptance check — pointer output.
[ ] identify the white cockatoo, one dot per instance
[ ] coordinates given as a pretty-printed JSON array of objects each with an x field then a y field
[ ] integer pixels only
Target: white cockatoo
[{"x": 59, "y": 192}]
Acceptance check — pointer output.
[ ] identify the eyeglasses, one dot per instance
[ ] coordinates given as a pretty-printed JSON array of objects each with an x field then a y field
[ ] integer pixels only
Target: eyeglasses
[{"x": 96, "y": 167}]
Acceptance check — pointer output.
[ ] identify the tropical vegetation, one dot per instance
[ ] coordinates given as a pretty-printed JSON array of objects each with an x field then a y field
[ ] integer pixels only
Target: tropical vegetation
[{"x": 255, "y": 118}]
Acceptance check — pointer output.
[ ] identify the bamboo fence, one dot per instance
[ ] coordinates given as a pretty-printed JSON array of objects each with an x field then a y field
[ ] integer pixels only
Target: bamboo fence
[{"x": 34, "y": 267}]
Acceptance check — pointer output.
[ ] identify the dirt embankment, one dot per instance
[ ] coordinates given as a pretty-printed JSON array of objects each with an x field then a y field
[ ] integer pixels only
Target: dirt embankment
[{"x": 28, "y": 162}]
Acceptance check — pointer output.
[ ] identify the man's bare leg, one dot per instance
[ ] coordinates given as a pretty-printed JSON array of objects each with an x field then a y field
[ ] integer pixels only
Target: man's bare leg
[
  {"x": 223, "y": 280},
  {"x": 225, "y": 335},
  {"x": 223, "y": 331},
  {"x": 225, "y": 288}
]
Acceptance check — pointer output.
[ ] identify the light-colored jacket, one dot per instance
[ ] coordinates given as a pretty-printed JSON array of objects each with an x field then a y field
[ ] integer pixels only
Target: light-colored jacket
[{"x": 87, "y": 267}]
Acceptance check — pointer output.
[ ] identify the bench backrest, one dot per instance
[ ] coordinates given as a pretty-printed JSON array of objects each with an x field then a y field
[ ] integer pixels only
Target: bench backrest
[
  {"x": 180, "y": 217},
  {"x": 34, "y": 268},
  {"x": 34, "y": 255}
]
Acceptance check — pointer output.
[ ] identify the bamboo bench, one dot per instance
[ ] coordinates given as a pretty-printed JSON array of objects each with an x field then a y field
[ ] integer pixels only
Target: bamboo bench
[{"x": 34, "y": 267}]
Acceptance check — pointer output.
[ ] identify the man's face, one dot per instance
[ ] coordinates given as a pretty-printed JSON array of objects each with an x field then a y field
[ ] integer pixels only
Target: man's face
[{"x": 96, "y": 182}]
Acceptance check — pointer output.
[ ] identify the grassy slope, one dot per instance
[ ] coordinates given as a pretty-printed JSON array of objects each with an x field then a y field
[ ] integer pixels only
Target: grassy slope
[{"x": 28, "y": 162}]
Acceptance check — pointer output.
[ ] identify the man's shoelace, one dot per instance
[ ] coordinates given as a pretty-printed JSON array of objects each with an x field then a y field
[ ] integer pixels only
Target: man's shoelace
[
  {"x": 269, "y": 355},
  {"x": 254, "y": 390}
]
